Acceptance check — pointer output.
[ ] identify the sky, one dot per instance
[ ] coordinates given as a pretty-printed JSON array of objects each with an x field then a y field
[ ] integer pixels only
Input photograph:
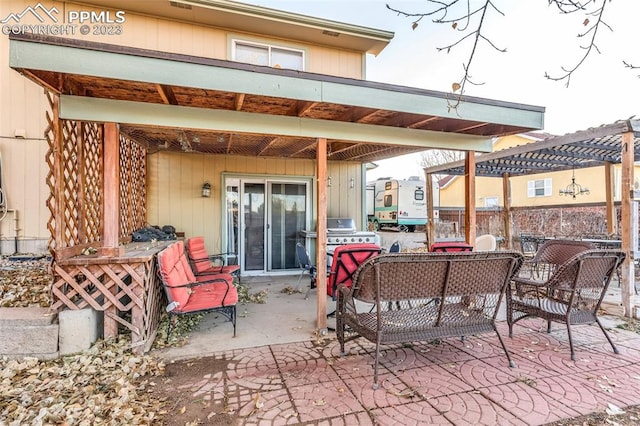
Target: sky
[{"x": 538, "y": 39}]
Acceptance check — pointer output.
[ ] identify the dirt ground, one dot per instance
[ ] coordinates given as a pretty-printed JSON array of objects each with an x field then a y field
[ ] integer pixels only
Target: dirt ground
[{"x": 183, "y": 409}]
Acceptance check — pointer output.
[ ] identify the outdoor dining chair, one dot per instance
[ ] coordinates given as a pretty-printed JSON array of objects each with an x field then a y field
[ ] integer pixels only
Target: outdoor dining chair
[{"x": 572, "y": 295}]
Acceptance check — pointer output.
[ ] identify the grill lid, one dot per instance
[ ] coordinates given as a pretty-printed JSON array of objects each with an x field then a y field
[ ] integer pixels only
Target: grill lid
[{"x": 341, "y": 225}]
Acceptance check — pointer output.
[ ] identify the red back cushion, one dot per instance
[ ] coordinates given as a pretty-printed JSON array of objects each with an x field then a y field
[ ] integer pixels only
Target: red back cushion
[
  {"x": 198, "y": 254},
  {"x": 346, "y": 260}
]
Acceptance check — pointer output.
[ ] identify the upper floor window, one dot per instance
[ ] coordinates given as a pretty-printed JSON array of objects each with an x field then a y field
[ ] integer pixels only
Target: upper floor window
[
  {"x": 491, "y": 202},
  {"x": 267, "y": 55},
  {"x": 539, "y": 188}
]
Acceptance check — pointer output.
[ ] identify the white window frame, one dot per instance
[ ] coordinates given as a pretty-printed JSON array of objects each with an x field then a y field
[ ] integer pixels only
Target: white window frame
[
  {"x": 491, "y": 202},
  {"x": 546, "y": 186},
  {"x": 235, "y": 42}
]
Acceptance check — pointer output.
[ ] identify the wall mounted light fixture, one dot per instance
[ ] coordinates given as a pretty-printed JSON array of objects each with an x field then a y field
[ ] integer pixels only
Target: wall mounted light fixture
[
  {"x": 206, "y": 190},
  {"x": 329, "y": 181},
  {"x": 352, "y": 183}
]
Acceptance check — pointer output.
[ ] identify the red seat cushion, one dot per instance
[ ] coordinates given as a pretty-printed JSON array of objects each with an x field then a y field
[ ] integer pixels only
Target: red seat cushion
[{"x": 210, "y": 295}]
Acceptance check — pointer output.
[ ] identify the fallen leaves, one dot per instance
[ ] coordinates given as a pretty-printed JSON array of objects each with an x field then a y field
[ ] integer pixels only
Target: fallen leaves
[
  {"x": 102, "y": 385},
  {"x": 25, "y": 283}
]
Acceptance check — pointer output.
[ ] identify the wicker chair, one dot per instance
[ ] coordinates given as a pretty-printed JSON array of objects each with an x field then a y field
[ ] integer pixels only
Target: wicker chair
[
  {"x": 553, "y": 253},
  {"x": 571, "y": 296}
]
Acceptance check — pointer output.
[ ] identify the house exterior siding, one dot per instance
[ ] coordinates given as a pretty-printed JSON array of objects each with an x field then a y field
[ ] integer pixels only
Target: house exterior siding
[
  {"x": 175, "y": 182},
  {"x": 23, "y": 109}
]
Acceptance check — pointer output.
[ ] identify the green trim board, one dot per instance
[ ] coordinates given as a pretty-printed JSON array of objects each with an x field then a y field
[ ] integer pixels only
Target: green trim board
[
  {"x": 120, "y": 63},
  {"x": 142, "y": 113}
]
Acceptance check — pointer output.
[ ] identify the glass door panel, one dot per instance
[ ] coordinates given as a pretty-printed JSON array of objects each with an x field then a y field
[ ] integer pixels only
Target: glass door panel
[
  {"x": 254, "y": 226},
  {"x": 288, "y": 216}
]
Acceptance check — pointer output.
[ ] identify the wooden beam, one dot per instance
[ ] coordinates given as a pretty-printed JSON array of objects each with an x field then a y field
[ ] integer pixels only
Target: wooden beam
[
  {"x": 626, "y": 201},
  {"x": 431, "y": 226},
  {"x": 470, "y": 197},
  {"x": 418, "y": 124},
  {"x": 301, "y": 108},
  {"x": 36, "y": 79},
  {"x": 611, "y": 210},
  {"x": 238, "y": 101},
  {"x": 167, "y": 95},
  {"x": 265, "y": 145},
  {"x": 111, "y": 192},
  {"x": 506, "y": 201},
  {"x": 321, "y": 231}
]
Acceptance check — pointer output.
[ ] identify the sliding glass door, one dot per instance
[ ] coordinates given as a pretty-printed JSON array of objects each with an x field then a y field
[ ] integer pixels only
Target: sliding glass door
[{"x": 263, "y": 222}]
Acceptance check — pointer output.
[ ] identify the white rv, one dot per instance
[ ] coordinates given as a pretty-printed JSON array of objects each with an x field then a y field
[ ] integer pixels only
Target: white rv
[{"x": 397, "y": 203}]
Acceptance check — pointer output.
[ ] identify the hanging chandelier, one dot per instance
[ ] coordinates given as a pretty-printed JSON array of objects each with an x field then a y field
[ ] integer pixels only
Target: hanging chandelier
[{"x": 574, "y": 188}]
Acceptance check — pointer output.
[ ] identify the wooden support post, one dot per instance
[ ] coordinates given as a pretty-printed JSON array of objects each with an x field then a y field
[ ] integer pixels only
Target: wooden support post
[
  {"x": 506, "y": 201},
  {"x": 111, "y": 192},
  {"x": 321, "y": 231},
  {"x": 470, "y": 197},
  {"x": 431, "y": 226},
  {"x": 628, "y": 276},
  {"x": 611, "y": 210},
  {"x": 58, "y": 176}
]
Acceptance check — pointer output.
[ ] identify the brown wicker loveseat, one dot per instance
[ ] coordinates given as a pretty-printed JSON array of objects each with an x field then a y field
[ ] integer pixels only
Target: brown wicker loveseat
[{"x": 407, "y": 297}]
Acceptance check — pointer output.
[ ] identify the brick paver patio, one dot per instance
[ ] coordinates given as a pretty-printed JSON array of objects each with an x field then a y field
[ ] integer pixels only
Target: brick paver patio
[{"x": 448, "y": 382}]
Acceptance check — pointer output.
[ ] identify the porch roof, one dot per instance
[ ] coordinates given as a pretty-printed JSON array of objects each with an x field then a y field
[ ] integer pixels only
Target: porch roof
[
  {"x": 176, "y": 102},
  {"x": 586, "y": 148}
]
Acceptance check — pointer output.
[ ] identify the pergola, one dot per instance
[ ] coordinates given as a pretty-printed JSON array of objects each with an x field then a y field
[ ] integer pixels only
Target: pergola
[
  {"x": 617, "y": 143},
  {"x": 111, "y": 105}
]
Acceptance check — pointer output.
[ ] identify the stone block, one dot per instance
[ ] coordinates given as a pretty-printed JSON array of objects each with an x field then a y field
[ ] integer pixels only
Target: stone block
[
  {"x": 24, "y": 317},
  {"x": 79, "y": 329},
  {"x": 30, "y": 340}
]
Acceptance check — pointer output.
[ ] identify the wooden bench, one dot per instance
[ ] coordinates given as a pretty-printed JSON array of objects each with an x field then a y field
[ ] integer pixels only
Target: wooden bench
[{"x": 408, "y": 297}]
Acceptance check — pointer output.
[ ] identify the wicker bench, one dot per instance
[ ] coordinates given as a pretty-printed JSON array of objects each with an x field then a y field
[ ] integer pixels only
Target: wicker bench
[{"x": 409, "y": 297}]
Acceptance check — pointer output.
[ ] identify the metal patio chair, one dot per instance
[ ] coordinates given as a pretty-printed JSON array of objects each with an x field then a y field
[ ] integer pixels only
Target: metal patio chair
[
  {"x": 188, "y": 294},
  {"x": 205, "y": 264}
]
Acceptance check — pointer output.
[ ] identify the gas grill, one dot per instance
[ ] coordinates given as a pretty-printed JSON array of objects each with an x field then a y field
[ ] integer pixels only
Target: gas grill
[{"x": 343, "y": 231}]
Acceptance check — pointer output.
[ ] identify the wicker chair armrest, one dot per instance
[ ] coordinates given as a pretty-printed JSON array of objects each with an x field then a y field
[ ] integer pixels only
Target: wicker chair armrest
[{"x": 529, "y": 288}]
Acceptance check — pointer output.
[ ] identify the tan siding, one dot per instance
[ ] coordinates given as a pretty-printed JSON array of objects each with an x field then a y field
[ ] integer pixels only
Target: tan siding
[
  {"x": 23, "y": 106},
  {"x": 175, "y": 198}
]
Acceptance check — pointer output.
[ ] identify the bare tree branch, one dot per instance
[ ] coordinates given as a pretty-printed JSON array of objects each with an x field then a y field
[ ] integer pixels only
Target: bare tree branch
[
  {"x": 471, "y": 23},
  {"x": 592, "y": 29},
  {"x": 470, "y": 29}
]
